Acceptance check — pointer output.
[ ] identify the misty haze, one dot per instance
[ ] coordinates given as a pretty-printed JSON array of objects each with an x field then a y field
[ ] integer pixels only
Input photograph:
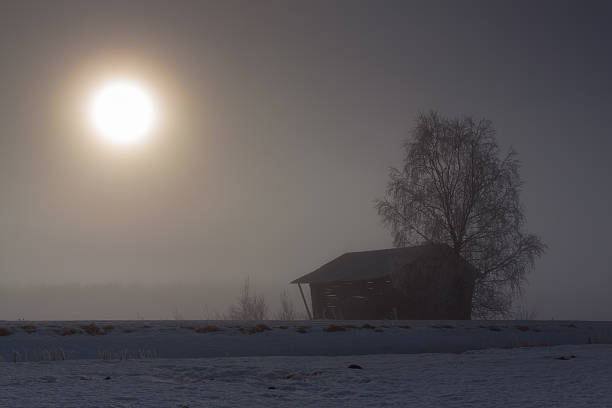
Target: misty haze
[
  {"x": 198, "y": 181},
  {"x": 277, "y": 140}
]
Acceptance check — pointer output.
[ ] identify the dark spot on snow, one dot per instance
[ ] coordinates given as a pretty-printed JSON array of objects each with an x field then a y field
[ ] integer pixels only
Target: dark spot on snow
[
  {"x": 301, "y": 330},
  {"x": 84, "y": 378},
  {"x": 128, "y": 330},
  {"x": 299, "y": 375},
  {"x": 355, "y": 366},
  {"x": 108, "y": 377},
  {"x": 405, "y": 326},
  {"x": 571, "y": 325},
  {"x": 565, "y": 357},
  {"x": 523, "y": 328},
  {"x": 368, "y": 326},
  {"x": 271, "y": 387},
  {"x": 283, "y": 327}
]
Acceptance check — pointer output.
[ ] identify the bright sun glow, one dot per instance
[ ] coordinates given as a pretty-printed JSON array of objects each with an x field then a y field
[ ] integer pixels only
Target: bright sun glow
[{"x": 123, "y": 112}]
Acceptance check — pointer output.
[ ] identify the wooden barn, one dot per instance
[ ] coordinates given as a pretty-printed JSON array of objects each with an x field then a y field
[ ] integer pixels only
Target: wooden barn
[{"x": 420, "y": 282}]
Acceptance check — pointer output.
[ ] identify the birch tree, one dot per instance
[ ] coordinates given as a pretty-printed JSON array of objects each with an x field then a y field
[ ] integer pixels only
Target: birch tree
[{"x": 455, "y": 187}]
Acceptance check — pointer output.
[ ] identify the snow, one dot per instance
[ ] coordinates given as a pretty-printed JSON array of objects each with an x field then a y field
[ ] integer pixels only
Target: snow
[
  {"x": 521, "y": 377},
  {"x": 416, "y": 363},
  {"x": 178, "y": 339}
]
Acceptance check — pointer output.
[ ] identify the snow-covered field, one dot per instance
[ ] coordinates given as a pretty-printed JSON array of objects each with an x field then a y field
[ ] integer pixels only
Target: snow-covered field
[
  {"x": 431, "y": 364},
  {"x": 522, "y": 377}
]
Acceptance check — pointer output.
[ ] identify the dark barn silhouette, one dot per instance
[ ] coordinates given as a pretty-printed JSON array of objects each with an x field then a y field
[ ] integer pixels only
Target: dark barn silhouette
[{"x": 421, "y": 282}]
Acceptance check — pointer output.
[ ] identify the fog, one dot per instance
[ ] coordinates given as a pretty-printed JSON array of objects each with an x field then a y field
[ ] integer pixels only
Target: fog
[
  {"x": 280, "y": 121},
  {"x": 199, "y": 301}
]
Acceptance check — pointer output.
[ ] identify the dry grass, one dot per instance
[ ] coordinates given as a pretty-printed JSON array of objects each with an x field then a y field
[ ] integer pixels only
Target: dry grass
[
  {"x": 5, "y": 332},
  {"x": 93, "y": 330},
  {"x": 53, "y": 355},
  {"x": 333, "y": 328},
  {"x": 146, "y": 354},
  {"x": 66, "y": 331},
  {"x": 30, "y": 328},
  {"x": 208, "y": 329},
  {"x": 106, "y": 355},
  {"x": 124, "y": 355},
  {"x": 258, "y": 328}
]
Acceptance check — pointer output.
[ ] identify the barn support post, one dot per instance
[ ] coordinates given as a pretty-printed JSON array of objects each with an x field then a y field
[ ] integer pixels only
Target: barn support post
[{"x": 305, "y": 304}]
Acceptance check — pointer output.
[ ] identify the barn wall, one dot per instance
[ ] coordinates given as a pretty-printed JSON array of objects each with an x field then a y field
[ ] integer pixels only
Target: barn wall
[
  {"x": 353, "y": 300},
  {"x": 433, "y": 288}
]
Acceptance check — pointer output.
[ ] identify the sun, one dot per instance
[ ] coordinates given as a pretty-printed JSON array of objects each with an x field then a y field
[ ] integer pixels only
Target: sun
[{"x": 123, "y": 112}]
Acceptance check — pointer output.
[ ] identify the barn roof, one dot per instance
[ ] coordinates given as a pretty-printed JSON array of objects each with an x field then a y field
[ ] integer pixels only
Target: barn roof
[{"x": 365, "y": 265}]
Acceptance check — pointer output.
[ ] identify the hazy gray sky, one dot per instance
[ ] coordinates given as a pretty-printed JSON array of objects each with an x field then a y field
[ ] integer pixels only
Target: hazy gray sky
[{"x": 282, "y": 119}]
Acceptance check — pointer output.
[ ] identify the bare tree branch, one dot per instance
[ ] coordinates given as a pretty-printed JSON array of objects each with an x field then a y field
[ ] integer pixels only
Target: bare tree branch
[{"x": 455, "y": 189}]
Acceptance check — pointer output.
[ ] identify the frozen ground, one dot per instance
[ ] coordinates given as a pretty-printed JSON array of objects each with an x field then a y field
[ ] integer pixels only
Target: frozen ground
[
  {"x": 224, "y": 363},
  {"x": 35, "y": 341},
  {"x": 561, "y": 376}
]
